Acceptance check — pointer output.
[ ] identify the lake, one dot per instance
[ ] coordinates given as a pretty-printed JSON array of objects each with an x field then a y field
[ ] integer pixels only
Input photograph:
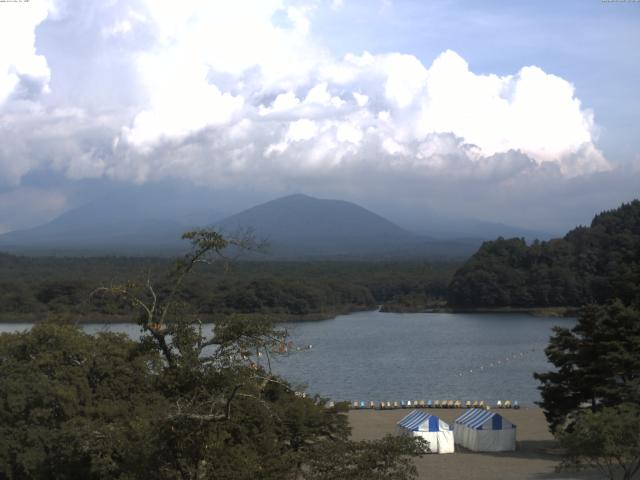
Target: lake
[{"x": 392, "y": 356}]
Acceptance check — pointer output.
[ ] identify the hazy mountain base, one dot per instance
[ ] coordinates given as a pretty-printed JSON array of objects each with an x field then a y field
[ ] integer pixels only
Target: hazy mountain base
[{"x": 420, "y": 249}]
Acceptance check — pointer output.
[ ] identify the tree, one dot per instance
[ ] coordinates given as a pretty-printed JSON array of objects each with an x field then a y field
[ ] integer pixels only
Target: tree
[
  {"x": 592, "y": 400},
  {"x": 597, "y": 364},
  {"x": 608, "y": 439},
  {"x": 74, "y": 405},
  {"x": 594, "y": 264},
  {"x": 386, "y": 459},
  {"x": 180, "y": 403}
]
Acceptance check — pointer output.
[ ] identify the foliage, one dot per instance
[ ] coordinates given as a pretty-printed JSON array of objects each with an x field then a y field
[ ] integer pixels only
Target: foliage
[
  {"x": 74, "y": 405},
  {"x": 34, "y": 287},
  {"x": 389, "y": 459},
  {"x": 593, "y": 264},
  {"x": 180, "y": 403},
  {"x": 597, "y": 364},
  {"x": 608, "y": 439}
]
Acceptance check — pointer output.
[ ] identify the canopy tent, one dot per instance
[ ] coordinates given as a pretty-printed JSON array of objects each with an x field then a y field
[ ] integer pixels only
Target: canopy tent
[
  {"x": 429, "y": 427},
  {"x": 484, "y": 431}
]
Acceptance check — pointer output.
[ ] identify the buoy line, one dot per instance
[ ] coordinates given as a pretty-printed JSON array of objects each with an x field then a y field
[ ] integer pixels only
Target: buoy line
[{"x": 498, "y": 363}]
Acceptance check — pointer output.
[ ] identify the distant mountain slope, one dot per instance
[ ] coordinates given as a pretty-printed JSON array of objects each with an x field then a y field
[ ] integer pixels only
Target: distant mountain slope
[
  {"x": 438, "y": 225},
  {"x": 590, "y": 264},
  {"x": 140, "y": 221},
  {"x": 151, "y": 222},
  {"x": 490, "y": 230}
]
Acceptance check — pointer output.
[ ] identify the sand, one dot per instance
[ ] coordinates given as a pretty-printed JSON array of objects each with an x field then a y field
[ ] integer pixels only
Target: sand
[{"x": 536, "y": 457}]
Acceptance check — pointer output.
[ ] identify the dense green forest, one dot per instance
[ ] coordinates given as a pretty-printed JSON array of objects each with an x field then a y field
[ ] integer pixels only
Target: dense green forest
[
  {"x": 173, "y": 404},
  {"x": 32, "y": 288},
  {"x": 592, "y": 264}
]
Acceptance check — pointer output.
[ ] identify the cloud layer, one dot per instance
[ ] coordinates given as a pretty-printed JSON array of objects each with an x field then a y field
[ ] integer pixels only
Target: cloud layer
[
  {"x": 229, "y": 93},
  {"x": 205, "y": 92}
]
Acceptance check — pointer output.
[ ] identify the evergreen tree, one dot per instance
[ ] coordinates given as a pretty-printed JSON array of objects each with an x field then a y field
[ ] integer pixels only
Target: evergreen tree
[{"x": 597, "y": 364}]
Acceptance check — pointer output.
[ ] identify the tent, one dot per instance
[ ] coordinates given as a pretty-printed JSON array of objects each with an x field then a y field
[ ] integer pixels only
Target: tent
[
  {"x": 429, "y": 427},
  {"x": 484, "y": 431}
]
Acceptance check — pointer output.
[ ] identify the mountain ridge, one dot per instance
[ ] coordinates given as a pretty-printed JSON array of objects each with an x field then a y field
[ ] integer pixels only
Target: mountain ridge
[{"x": 298, "y": 226}]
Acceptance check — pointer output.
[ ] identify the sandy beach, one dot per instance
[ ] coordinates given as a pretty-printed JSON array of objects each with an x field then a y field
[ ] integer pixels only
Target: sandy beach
[{"x": 536, "y": 457}]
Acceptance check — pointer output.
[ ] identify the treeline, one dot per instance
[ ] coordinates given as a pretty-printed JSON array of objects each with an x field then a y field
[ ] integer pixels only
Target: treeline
[
  {"x": 32, "y": 288},
  {"x": 592, "y": 264}
]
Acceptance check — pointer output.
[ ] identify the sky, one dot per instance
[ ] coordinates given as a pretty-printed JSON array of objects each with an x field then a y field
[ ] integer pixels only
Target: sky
[{"x": 524, "y": 113}]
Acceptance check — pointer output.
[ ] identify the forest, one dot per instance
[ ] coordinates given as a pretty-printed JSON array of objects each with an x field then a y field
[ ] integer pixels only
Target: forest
[
  {"x": 32, "y": 288},
  {"x": 590, "y": 264}
]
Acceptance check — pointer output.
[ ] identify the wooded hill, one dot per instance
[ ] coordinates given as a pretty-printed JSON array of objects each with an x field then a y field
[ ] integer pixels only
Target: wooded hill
[{"x": 593, "y": 264}]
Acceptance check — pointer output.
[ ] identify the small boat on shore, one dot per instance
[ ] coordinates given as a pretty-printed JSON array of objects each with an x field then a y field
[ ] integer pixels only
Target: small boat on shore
[{"x": 449, "y": 404}]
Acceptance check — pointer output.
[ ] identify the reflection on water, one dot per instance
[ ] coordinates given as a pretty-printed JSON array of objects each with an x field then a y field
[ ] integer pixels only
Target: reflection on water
[{"x": 387, "y": 356}]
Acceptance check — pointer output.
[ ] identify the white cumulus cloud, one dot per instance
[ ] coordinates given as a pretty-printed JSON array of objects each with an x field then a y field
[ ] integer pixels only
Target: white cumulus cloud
[
  {"x": 20, "y": 64},
  {"x": 243, "y": 92}
]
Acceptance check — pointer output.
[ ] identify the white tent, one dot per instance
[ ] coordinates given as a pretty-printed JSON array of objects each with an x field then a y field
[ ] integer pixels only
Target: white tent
[
  {"x": 484, "y": 431},
  {"x": 429, "y": 427}
]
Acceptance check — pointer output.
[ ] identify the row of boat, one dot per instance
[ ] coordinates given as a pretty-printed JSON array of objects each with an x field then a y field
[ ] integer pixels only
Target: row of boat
[{"x": 359, "y": 405}]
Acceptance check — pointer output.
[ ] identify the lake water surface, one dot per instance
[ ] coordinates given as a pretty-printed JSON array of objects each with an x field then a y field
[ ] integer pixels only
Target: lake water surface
[{"x": 389, "y": 356}]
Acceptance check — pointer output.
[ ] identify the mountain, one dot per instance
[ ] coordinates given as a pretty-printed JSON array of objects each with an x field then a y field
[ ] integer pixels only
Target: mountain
[
  {"x": 140, "y": 221},
  {"x": 437, "y": 225},
  {"x": 490, "y": 230},
  {"x": 593, "y": 264},
  {"x": 151, "y": 220},
  {"x": 300, "y": 218},
  {"x": 300, "y": 225}
]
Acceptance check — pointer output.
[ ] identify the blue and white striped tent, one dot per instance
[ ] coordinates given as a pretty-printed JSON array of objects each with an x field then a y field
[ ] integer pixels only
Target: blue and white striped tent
[
  {"x": 431, "y": 428},
  {"x": 484, "y": 431}
]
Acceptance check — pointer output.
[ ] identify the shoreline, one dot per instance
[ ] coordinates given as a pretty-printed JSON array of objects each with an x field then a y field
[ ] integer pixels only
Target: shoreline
[
  {"x": 93, "y": 319},
  {"x": 557, "y": 312},
  {"x": 97, "y": 319}
]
